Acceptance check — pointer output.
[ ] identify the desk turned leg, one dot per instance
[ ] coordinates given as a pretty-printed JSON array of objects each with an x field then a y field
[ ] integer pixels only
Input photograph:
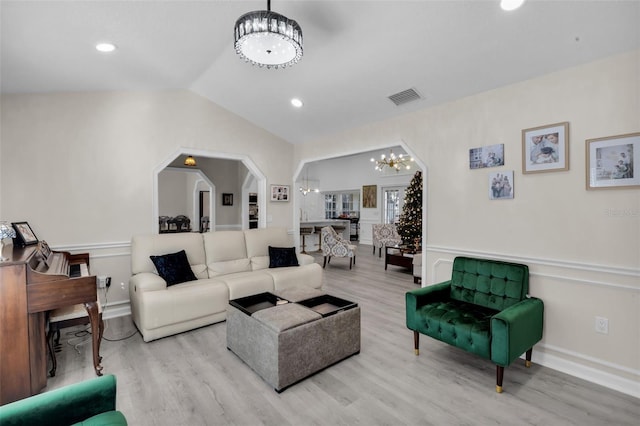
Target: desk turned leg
[{"x": 97, "y": 327}]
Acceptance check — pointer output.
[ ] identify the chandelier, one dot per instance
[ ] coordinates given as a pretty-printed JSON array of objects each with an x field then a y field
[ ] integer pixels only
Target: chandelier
[
  {"x": 266, "y": 38},
  {"x": 396, "y": 162},
  {"x": 190, "y": 161},
  {"x": 306, "y": 189}
]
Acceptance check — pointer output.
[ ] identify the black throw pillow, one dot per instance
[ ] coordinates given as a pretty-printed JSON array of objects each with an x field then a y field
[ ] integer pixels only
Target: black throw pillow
[
  {"x": 174, "y": 268},
  {"x": 280, "y": 257}
]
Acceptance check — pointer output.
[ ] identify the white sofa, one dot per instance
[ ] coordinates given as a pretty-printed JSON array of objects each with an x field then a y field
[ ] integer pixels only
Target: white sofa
[{"x": 227, "y": 265}]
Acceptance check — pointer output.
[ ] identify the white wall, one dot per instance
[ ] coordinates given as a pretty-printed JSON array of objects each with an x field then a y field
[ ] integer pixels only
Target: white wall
[
  {"x": 79, "y": 167},
  {"x": 174, "y": 193},
  {"x": 584, "y": 260}
]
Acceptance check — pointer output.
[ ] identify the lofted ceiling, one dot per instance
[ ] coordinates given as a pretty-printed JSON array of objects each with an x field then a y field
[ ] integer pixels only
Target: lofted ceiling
[{"x": 356, "y": 53}]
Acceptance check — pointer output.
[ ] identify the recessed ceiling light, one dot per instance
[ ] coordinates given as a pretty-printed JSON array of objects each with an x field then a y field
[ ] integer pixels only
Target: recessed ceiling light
[
  {"x": 510, "y": 4},
  {"x": 296, "y": 102},
  {"x": 105, "y": 47}
]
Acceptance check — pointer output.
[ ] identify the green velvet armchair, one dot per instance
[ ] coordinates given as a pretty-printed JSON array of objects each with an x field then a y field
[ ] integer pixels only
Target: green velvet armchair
[
  {"x": 484, "y": 309},
  {"x": 89, "y": 403}
]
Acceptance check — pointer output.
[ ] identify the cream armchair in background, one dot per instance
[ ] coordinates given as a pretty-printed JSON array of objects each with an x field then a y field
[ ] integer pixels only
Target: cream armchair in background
[
  {"x": 384, "y": 234},
  {"x": 334, "y": 245}
]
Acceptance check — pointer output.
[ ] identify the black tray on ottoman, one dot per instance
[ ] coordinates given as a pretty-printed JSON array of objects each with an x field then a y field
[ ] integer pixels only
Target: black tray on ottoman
[
  {"x": 327, "y": 305},
  {"x": 251, "y": 304}
]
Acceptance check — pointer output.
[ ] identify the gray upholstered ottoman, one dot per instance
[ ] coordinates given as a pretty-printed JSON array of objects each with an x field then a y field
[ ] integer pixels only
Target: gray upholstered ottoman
[{"x": 284, "y": 343}]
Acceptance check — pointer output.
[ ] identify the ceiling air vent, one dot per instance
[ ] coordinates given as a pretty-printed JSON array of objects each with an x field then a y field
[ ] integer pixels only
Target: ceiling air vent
[{"x": 405, "y": 97}]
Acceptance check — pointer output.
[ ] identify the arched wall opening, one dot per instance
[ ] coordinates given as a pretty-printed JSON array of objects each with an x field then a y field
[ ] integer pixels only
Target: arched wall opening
[
  {"x": 304, "y": 174},
  {"x": 258, "y": 178}
]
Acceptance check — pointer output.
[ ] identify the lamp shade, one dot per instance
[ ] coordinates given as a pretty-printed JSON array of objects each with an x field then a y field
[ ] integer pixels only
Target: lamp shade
[{"x": 266, "y": 38}]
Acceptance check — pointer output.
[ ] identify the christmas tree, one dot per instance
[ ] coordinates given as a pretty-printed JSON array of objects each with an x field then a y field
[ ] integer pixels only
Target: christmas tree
[{"x": 410, "y": 225}]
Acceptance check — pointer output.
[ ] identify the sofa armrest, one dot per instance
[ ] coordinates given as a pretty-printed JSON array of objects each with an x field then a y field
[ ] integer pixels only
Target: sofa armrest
[
  {"x": 64, "y": 406},
  {"x": 147, "y": 281},
  {"x": 515, "y": 330},
  {"x": 417, "y": 298}
]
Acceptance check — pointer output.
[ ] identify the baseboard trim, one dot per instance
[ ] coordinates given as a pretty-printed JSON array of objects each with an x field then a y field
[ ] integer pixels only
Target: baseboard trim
[
  {"x": 593, "y": 375},
  {"x": 116, "y": 310}
]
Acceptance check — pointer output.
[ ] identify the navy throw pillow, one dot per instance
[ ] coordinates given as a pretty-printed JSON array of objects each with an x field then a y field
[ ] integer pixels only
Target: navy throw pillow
[
  {"x": 174, "y": 268},
  {"x": 280, "y": 257}
]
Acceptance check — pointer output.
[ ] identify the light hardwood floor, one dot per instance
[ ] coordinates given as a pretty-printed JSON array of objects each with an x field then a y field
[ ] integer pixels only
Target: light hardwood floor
[{"x": 192, "y": 379}]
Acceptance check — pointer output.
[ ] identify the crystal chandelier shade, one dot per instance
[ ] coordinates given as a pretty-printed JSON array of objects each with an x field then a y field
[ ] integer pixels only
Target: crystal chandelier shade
[
  {"x": 393, "y": 161},
  {"x": 266, "y": 38}
]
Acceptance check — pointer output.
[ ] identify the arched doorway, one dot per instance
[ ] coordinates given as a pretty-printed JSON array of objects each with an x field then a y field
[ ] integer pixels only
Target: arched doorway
[{"x": 217, "y": 182}]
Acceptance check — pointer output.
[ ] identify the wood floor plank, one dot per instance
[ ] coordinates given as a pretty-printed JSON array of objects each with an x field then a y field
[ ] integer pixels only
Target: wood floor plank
[{"x": 192, "y": 379}]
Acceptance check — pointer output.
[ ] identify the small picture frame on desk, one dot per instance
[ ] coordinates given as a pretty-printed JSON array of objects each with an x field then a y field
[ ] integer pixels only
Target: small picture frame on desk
[{"x": 24, "y": 234}]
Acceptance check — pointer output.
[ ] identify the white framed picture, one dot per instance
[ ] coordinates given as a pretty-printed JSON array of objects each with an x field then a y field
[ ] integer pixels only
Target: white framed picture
[
  {"x": 279, "y": 192},
  {"x": 501, "y": 185}
]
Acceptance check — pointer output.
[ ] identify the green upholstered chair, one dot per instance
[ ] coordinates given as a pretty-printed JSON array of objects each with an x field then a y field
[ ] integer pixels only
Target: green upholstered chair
[
  {"x": 89, "y": 403},
  {"x": 484, "y": 309}
]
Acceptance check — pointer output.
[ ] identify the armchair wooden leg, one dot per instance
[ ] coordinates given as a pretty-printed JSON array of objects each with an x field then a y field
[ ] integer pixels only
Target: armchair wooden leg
[
  {"x": 416, "y": 342},
  {"x": 499, "y": 377},
  {"x": 325, "y": 262},
  {"x": 374, "y": 250},
  {"x": 350, "y": 262},
  {"x": 354, "y": 259},
  {"x": 527, "y": 363}
]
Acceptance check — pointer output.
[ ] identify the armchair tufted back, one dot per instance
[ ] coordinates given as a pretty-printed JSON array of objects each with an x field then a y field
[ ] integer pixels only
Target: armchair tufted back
[{"x": 489, "y": 283}]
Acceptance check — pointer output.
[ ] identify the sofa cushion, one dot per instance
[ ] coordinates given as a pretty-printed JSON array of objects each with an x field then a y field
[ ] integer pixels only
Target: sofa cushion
[
  {"x": 464, "y": 325},
  {"x": 174, "y": 268},
  {"x": 304, "y": 275},
  {"x": 143, "y": 246},
  {"x": 182, "y": 303},
  {"x": 258, "y": 242},
  {"x": 282, "y": 257},
  {"x": 226, "y": 253},
  {"x": 243, "y": 284}
]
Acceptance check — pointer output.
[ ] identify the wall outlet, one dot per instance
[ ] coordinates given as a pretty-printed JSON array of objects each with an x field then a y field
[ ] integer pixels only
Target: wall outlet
[
  {"x": 602, "y": 325},
  {"x": 103, "y": 281}
]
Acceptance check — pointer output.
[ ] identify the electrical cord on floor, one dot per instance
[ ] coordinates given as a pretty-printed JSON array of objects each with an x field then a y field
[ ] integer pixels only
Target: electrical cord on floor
[{"x": 106, "y": 326}]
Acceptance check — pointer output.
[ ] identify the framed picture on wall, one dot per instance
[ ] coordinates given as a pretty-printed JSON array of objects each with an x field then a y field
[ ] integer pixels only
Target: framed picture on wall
[
  {"x": 486, "y": 156},
  {"x": 279, "y": 192},
  {"x": 227, "y": 199},
  {"x": 369, "y": 196},
  {"x": 24, "y": 234},
  {"x": 501, "y": 185},
  {"x": 611, "y": 162},
  {"x": 545, "y": 148}
]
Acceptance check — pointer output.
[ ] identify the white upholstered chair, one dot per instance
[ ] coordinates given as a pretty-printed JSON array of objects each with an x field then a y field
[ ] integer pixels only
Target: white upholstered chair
[
  {"x": 384, "y": 234},
  {"x": 333, "y": 245}
]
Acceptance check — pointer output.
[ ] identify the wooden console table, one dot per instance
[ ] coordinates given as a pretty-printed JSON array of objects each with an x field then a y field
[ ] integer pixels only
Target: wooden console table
[{"x": 399, "y": 256}]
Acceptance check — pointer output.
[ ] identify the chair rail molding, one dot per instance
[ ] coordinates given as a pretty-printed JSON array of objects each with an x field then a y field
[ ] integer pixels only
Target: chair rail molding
[{"x": 615, "y": 270}]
